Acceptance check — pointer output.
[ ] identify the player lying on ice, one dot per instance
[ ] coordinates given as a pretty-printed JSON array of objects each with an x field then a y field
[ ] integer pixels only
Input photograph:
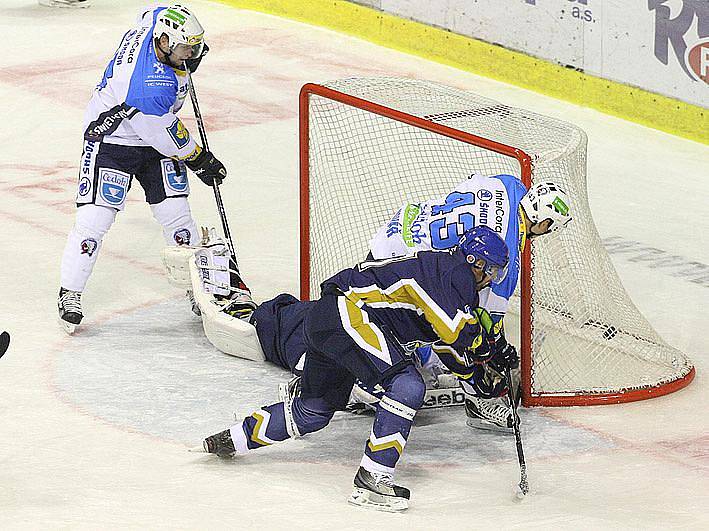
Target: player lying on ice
[
  {"x": 414, "y": 227},
  {"x": 503, "y": 203},
  {"x": 356, "y": 331}
]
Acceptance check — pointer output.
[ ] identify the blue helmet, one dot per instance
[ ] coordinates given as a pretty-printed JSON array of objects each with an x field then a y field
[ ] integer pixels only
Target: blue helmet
[{"x": 483, "y": 243}]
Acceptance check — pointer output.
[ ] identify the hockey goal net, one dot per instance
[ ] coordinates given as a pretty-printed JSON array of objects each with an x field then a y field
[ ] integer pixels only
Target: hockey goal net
[{"x": 370, "y": 145}]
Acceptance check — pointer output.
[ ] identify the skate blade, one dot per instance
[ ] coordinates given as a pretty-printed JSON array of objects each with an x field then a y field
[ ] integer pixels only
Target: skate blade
[
  {"x": 378, "y": 502},
  {"x": 198, "y": 449},
  {"x": 69, "y": 328},
  {"x": 481, "y": 424}
]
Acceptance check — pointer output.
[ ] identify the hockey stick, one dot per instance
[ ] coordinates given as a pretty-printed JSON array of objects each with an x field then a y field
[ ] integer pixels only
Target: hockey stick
[
  {"x": 523, "y": 484},
  {"x": 4, "y": 343},
  {"x": 215, "y": 186}
]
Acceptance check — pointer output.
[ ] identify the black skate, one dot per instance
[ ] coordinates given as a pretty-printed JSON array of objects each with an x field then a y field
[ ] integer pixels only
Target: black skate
[
  {"x": 492, "y": 414},
  {"x": 376, "y": 490},
  {"x": 220, "y": 444},
  {"x": 69, "y": 305}
]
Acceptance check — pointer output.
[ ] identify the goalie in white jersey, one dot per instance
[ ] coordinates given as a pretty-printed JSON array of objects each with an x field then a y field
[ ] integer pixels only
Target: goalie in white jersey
[
  {"x": 501, "y": 202},
  {"x": 131, "y": 130}
]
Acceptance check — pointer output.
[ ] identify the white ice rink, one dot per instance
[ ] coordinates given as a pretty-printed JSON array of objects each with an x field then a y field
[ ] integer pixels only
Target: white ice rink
[{"x": 94, "y": 429}]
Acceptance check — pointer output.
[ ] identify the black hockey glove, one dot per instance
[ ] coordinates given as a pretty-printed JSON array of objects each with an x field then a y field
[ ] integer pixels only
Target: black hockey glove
[
  {"x": 193, "y": 63},
  {"x": 207, "y": 167},
  {"x": 503, "y": 358}
]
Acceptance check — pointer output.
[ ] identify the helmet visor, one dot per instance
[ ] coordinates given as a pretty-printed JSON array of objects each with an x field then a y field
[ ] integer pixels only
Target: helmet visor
[
  {"x": 494, "y": 272},
  {"x": 196, "y": 49}
]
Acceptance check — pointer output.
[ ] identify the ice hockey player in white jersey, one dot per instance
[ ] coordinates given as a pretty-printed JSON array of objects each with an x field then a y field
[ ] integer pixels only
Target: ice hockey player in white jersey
[
  {"x": 131, "y": 131},
  {"x": 501, "y": 202}
]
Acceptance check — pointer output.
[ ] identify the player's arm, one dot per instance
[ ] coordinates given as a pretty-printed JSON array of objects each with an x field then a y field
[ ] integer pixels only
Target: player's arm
[{"x": 158, "y": 126}]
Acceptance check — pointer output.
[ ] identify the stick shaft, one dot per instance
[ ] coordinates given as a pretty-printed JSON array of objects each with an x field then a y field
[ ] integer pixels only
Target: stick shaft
[
  {"x": 523, "y": 483},
  {"x": 215, "y": 186}
]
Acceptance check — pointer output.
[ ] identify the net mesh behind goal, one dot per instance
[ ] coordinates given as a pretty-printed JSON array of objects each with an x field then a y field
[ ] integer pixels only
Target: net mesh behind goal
[{"x": 370, "y": 145}]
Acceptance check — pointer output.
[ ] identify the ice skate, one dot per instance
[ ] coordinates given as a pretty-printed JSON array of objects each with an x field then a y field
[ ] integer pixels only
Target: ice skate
[
  {"x": 69, "y": 305},
  {"x": 240, "y": 304},
  {"x": 488, "y": 414},
  {"x": 377, "y": 491},
  {"x": 219, "y": 444}
]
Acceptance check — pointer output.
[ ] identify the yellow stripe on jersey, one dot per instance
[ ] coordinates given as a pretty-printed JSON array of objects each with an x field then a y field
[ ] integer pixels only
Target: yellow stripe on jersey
[
  {"x": 409, "y": 295},
  {"x": 361, "y": 330}
]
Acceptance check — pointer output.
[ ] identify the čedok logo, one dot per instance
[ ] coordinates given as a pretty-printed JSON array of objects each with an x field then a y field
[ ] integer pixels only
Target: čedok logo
[
  {"x": 114, "y": 186},
  {"x": 175, "y": 180}
]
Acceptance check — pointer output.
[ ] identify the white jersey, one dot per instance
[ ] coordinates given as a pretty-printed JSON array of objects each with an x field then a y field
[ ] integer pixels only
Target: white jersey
[
  {"x": 136, "y": 102},
  {"x": 438, "y": 224}
]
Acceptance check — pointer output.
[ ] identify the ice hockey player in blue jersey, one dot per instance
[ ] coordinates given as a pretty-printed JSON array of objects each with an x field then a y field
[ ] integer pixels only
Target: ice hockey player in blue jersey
[
  {"x": 356, "y": 331},
  {"x": 503, "y": 203},
  {"x": 131, "y": 131}
]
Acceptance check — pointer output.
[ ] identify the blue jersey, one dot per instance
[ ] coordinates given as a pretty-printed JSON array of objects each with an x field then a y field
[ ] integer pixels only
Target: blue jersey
[
  {"x": 439, "y": 223},
  {"x": 136, "y": 102},
  {"x": 425, "y": 298}
]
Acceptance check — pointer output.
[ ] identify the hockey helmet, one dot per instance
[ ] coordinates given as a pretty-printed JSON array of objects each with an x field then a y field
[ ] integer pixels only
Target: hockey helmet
[
  {"x": 547, "y": 200},
  {"x": 181, "y": 27},
  {"x": 483, "y": 243}
]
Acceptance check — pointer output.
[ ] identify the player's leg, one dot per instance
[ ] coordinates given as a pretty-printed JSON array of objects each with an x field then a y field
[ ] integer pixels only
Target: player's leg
[
  {"x": 166, "y": 187},
  {"x": 325, "y": 389},
  {"x": 104, "y": 179},
  {"x": 279, "y": 326},
  {"x": 164, "y": 181},
  {"x": 348, "y": 334}
]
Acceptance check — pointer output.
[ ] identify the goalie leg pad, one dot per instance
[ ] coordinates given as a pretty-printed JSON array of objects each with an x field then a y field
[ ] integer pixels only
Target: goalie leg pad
[
  {"x": 83, "y": 244},
  {"x": 179, "y": 228},
  {"x": 232, "y": 336}
]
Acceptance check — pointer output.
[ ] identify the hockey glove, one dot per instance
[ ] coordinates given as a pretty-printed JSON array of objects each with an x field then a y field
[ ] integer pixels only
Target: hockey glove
[
  {"x": 503, "y": 358},
  {"x": 207, "y": 167},
  {"x": 485, "y": 383},
  {"x": 193, "y": 63}
]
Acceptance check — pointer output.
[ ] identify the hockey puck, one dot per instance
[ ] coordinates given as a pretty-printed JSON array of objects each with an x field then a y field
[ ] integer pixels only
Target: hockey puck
[{"x": 4, "y": 343}]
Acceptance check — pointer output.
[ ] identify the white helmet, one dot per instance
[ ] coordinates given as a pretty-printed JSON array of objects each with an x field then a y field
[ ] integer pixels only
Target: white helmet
[
  {"x": 181, "y": 27},
  {"x": 547, "y": 200}
]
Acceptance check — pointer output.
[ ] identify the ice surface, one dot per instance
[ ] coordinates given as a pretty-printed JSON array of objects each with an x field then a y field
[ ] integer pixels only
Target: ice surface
[{"x": 94, "y": 428}]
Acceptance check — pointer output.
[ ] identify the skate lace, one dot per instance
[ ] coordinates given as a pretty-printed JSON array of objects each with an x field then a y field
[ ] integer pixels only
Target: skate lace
[
  {"x": 492, "y": 411},
  {"x": 71, "y": 301},
  {"x": 382, "y": 479}
]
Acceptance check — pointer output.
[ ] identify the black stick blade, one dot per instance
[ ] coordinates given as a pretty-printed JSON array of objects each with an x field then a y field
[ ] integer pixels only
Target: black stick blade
[{"x": 4, "y": 343}]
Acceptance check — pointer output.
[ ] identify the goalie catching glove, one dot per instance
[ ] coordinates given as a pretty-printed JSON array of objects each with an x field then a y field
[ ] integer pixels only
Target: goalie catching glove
[{"x": 207, "y": 167}]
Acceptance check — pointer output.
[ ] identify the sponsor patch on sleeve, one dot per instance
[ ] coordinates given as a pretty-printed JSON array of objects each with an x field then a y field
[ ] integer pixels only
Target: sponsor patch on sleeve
[{"x": 179, "y": 134}]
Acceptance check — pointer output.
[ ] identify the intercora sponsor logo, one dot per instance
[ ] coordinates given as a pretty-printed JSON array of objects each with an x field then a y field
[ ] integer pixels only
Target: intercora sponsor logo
[{"x": 682, "y": 28}]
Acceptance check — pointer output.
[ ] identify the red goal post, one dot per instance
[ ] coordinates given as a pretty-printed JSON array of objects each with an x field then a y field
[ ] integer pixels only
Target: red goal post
[{"x": 352, "y": 136}]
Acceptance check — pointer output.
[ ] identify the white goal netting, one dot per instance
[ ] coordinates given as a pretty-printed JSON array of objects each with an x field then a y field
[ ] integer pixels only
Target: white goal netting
[{"x": 588, "y": 342}]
